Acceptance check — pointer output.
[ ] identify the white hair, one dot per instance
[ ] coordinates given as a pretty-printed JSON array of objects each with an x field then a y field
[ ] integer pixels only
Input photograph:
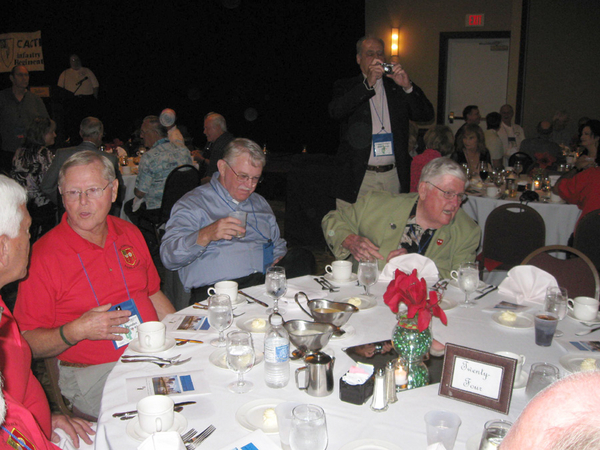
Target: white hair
[{"x": 12, "y": 196}]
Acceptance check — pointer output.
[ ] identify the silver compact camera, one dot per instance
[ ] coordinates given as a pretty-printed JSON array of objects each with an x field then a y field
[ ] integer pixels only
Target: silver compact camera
[{"x": 387, "y": 67}]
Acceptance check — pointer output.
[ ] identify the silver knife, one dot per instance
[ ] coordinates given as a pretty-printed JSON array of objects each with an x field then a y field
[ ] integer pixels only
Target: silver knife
[
  {"x": 121, "y": 414},
  {"x": 486, "y": 293}
]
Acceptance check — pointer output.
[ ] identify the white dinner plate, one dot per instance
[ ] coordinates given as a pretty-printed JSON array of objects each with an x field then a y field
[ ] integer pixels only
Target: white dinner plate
[
  {"x": 524, "y": 320},
  {"x": 454, "y": 284},
  {"x": 135, "y": 431},
  {"x": 245, "y": 323},
  {"x": 349, "y": 331},
  {"x": 370, "y": 444},
  {"x": 473, "y": 442},
  {"x": 572, "y": 361},
  {"x": 365, "y": 302},
  {"x": 335, "y": 281},
  {"x": 571, "y": 316},
  {"x": 250, "y": 415},
  {"x": 448, "y": 303},
  {"x": 135, "y": 346},
  {"x": 219, "y": 358}
]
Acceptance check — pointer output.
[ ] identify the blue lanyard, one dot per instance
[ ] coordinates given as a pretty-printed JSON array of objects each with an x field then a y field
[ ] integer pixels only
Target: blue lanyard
[
  {"x": 375, "y": 108},
  {"x": 90, "y": 281},
  {"x": 16, "y": 439}
]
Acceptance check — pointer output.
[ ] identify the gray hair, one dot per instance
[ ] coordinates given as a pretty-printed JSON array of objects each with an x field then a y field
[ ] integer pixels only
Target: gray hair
[
  {"x": 12, "y": 196},
  {"x": 217, "y": 119},
  {"x": 440, "y": 138},
  {"x": 241, "y": 146},
  {"x": 91, "y": 127},
  {"x": 154, "y": 122},
  {"x": 83, "y": 159},
  {"x": 440, "y": 167},
  {"x": 368, "y": 37}
]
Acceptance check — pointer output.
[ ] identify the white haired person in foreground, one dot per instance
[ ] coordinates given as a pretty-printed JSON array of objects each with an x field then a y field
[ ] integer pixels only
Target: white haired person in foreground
[
  {"x": 564, "y": 416},
  {"x": 27, "y": 417}
]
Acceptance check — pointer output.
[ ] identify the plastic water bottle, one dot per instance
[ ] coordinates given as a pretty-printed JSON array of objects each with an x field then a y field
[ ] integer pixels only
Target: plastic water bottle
[{"x": 277, "y": 353}]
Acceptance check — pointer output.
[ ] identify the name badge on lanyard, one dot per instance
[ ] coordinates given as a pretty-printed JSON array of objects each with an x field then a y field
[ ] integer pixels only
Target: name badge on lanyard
[
  {"x": 267, "y": 255},
  {"x": 383, "y": 144},
  {"x": 135, "y": 319}
]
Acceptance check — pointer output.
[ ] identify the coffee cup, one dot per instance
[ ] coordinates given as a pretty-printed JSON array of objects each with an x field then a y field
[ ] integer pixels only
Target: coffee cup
[
  {"x": 340, "y": 270},
  {"x": 151, "y": 335},
  {"x": 225, "y": 287},
  {"x": 555, "y": 198},
  {"x": 520, "y": 361},
  {"x": 492, "y": 191},
  {"x": 584, "y": 308},
  {"x": 155, "y": 413}
]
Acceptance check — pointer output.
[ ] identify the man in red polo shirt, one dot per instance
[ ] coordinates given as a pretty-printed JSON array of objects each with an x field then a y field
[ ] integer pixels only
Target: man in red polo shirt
[{"x": 87, "y": 264}]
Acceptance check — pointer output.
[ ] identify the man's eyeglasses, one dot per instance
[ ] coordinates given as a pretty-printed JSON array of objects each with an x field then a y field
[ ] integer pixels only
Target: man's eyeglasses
[
  {"x": 244, "y": 178},
  {"x": 93, "y": 193},
  {"x": 450, "y": 195}
]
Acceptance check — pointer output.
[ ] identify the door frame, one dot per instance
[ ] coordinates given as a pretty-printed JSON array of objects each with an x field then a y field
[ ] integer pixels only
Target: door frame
[{"x": 443, "y": 61}]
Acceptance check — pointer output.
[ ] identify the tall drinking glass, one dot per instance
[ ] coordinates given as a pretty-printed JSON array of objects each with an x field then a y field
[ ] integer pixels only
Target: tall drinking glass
[
  {"x": 468, "y": 280},
  {"x": 368, "y": 273},
  {"x": 240, "y": 359},
  {"x": 309, "y": 428},
  {"x": 556, "y": 302},
  {"x": 220, "y": 316},
  {"x": 518, "y": 167},
  {"x": 276, "y": 285}
]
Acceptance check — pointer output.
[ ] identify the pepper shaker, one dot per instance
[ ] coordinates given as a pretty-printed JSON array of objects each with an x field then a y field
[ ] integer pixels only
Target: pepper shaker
[{"x": 390, "y": 382}]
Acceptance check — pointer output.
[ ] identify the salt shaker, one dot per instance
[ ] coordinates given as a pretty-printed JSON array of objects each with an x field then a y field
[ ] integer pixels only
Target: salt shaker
[
  {"x": 390, "y": 382},
  {"x": 379, "y": 402}
]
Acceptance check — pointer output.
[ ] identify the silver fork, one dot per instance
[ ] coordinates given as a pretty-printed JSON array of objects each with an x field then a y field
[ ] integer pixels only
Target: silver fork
[
  {"x": 189, "y": 435},
  {"x": 168, "y": 360},
  {"x": 200, "y": 438},
  {"x": 160, "y": 364}
]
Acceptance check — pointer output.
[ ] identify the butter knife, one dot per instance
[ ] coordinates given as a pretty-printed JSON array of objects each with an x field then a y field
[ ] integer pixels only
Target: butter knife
[
  {"x": 255, "y": 300},
  {"x": 486, "y": 293},
  {"x": 121, "y": 414}
]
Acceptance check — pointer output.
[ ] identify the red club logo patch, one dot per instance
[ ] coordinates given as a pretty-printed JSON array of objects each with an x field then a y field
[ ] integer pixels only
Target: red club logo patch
[
  {"x": 129, "y": 256},
  {"x": 440, "y": 241}
]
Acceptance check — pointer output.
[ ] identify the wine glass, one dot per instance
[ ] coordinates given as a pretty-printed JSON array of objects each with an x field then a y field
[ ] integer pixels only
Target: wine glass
[
  {"x": 556, "y": 302},
  {"x": 276, "y": 285},
  {"x": 220, "y": 316},
  {"x": 240, "y": 359},
  {"x": 368, "y": 273},
  {"x": 468, "y": 280},
  {"x": 518, "y": 167},
  {"x": 309, "y": 428},
  {"x": 483, "y": 172}
]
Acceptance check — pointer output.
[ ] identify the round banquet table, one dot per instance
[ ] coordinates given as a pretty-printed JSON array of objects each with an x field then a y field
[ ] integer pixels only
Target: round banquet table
[{"x": 402, "y": 423}]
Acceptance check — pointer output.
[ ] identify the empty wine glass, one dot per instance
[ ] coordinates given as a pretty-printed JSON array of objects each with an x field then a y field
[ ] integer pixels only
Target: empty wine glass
[
  {"x": 309, "y": 428},
  {"x": 556, "y": 302},
  {"x": 240, "y": 359},
  {"x": 368, "y": 273},
  {"x": 276, "y": 285},
  {"x": 220, "y": 316},
  {"x": 468, "y": 280},
  {"x": 518, "y": 167}
]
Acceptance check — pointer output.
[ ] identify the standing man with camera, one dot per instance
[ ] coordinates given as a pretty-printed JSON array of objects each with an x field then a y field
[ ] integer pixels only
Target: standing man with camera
[{"x": 374, "y": 109}]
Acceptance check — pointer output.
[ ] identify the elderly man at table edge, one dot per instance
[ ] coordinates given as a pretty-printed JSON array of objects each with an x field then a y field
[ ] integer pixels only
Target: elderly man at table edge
[
  {"x": 28, "y": 412},
  {"x": 200, "y": 239},
  {"x": 384, "y": 225},
  {"x": 79, "y": 269},
  {"x": 91, "y": 131},
  {"x": 563, "y": 416}
]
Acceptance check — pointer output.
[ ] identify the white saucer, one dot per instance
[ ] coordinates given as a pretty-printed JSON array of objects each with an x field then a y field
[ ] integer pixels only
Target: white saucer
[
  {"x": 135, "y": 346},
  {"x": 365, "y": 302},
  {"x": 219, "y": 358},
  {"x": 524, "y": 320},
  {"x": 522, "y": 381},
  {"x": 250, "y": 415},
  {"x": 335, "y": 281},
  {"x": 245, "y": 323},
  {"x": 572, "y": 361},
  {"x": 571, "y": 316},
  {"x": 370, "y": 444},
  {"x": 447, "y": 304},
  {"x": 349, "y": 331},
  {"x": 134, "y": 430}
]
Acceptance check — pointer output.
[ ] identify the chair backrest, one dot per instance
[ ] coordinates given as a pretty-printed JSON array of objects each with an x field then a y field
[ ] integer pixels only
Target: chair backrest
[
  {"x": 180, "y": 181},
  {"x": 587, "y": 236},
  {"x": 512, "y": 231},
  {"x": 578, "y": 275},
  {"x": 524, "y": 158}
]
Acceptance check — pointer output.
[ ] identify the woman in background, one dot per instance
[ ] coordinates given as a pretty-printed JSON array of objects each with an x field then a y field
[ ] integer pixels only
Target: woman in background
[
  {"x": 470, "y": 148},
  {"x": 439, "y": 141}
]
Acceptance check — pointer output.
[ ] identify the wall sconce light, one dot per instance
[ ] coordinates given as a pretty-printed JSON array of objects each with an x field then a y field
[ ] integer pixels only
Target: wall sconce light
[{"x": 394, "y": 48}]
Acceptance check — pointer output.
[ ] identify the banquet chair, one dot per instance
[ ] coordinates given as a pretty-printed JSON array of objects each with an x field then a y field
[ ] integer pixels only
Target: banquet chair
[
  {"x": 56, "y": 396},
  {"x": 587, "y": 236},
  {"x": 524, "y": 158},
  {"x": 578, "y": 274},
  {"x": 512, "y": 231}
]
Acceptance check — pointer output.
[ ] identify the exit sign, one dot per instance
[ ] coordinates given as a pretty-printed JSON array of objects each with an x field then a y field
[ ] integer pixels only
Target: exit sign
[{"x": 474, "y": 20}]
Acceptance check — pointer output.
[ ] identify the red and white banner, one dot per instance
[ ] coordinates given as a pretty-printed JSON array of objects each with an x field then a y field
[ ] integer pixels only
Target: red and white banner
[{"x": 21, "y": 49}]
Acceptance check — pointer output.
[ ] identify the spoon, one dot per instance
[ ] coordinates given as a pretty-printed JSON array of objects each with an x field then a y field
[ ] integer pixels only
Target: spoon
[
  {"x": 584, "y": 332},
  {"x": 131, "y": 416}
]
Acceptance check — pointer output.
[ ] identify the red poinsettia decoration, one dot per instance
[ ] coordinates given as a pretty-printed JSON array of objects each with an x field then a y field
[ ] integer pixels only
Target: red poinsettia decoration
[
  {"x": 544, "y": 160},
  {"x": 412, "y": 291}
]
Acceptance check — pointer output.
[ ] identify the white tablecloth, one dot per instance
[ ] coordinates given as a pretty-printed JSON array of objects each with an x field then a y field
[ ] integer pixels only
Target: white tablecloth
[{"x": 402, "y": 424}]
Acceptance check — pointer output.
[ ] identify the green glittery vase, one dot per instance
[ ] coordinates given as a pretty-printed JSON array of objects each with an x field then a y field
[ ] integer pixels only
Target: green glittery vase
[{"x": 412, "y": 345}]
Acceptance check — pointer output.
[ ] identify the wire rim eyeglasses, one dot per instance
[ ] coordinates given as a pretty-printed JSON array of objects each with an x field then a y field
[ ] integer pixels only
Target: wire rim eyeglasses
[
  {"x": 91, "y": 193},
  {"x": 450, "y": 195},
  {"x": 245, "y": 178}
]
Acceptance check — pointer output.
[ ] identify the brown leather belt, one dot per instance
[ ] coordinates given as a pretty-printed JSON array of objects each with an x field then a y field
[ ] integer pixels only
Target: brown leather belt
[
  {"x": 381, "y": 169},
  {"x": 71, "y": 364}
]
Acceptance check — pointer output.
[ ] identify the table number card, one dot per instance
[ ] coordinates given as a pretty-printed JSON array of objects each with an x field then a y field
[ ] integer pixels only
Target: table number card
[{"x": 477, "y": 377}]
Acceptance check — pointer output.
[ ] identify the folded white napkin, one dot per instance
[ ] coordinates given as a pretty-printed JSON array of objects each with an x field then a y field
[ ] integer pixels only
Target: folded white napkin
[
  {"x": 167, "y": 440},
  {"x": 527, "y": 283},
  {"x": 426, "y": 268}
]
